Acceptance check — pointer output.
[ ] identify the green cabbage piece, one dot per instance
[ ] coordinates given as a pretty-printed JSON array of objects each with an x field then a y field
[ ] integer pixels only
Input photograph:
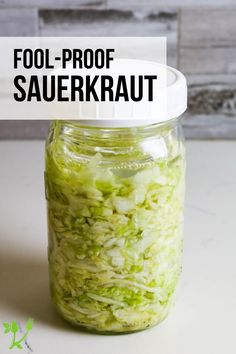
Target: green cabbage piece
[{"x": 115, "y": 235}]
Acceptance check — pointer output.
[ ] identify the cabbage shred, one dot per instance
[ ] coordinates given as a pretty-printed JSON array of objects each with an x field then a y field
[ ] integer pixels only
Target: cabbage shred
[{"x": 115, "y": 236}]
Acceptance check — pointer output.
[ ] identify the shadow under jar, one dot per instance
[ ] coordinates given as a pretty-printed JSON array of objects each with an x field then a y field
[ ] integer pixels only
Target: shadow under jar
[{"x": 115, "y": 217}]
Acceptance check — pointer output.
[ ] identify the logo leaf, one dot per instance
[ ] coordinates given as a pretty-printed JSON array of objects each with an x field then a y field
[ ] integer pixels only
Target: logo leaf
[
  {"x": 29, "y": 324},
  {"x": 19, "y": 346},
  {"x": 14, "y": 327},
  {"x": 6, "y": 325}
]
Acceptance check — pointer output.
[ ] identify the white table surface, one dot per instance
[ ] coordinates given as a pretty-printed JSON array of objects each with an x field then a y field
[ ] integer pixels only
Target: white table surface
[{"x": 203, "y": 320}]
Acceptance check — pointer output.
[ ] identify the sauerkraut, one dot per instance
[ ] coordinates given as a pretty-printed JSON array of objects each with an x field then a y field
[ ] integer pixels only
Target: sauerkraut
[{"x": 115, "y": 235}]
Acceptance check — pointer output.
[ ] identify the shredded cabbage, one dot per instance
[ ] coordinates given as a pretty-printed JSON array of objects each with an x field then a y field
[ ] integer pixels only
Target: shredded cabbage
[{"x": 115, "y": 236}]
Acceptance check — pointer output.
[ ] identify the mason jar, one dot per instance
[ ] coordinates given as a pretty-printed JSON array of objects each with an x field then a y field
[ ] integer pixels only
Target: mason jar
[{"x": 115, "y": 196}]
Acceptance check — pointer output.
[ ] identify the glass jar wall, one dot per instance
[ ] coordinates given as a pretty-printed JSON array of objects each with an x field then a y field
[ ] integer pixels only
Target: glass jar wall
[{"x": 115, "y": 217}]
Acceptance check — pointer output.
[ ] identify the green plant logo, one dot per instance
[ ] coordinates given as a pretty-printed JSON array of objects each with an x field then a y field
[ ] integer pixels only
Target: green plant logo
[{"x": 13, "y": 328}]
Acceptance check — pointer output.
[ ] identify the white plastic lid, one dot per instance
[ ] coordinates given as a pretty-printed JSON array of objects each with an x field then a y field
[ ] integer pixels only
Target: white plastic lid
[{"x": 171, "y": 102}]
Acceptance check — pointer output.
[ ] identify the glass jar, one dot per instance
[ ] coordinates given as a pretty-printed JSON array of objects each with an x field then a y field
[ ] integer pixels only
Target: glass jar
[{"x": 115, "y": 218}]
